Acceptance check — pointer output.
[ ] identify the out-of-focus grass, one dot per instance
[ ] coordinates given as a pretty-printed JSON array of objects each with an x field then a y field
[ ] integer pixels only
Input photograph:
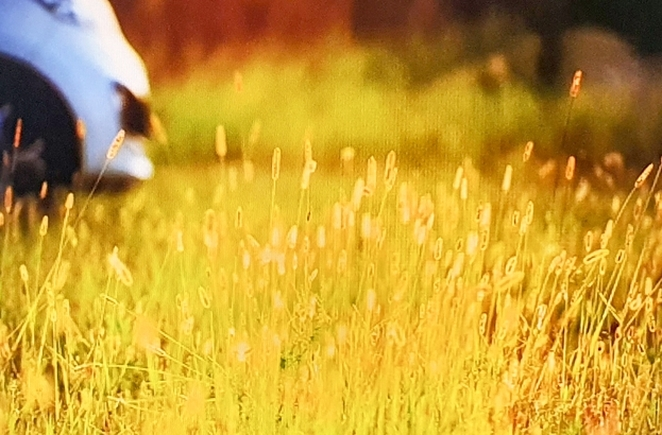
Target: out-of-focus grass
[
  {"x": 341, "y": 97},
  {"x": 466, "y": 94}
]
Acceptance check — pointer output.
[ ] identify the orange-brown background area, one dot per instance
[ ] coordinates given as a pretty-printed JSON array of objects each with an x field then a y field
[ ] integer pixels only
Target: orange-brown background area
[{"x": 169, "y": 32}]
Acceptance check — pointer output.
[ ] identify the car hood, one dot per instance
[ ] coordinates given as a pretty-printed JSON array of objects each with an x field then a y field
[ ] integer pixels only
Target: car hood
[
  {"x": 87, "y": 27},
  {"x": 78, "y": 46}
]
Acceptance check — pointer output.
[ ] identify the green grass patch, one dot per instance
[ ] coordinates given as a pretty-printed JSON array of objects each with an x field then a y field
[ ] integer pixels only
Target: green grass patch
[{"x": 364, "y": 98}]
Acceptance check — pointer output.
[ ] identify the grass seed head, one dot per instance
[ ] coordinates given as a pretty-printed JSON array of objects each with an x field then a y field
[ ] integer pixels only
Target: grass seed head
[
  {"x": 485, "y": 218},
  {"x": 643, "y": 176},
  {"x": 220, "y": 142},
  {"x": 482, "y": 324},
  {"x": 245, "y": 259},
  {"x": 320, "y": 237},
  {"x": 371, "y": 300},
  {"x": 588, "y": 241},
  {"x": 307, "y": 151},
  {"x": 122, "y": 272},
  {"x": 472, "y": 243},
  {"x": 336, "y": 216},
  {"x": 115, "y": 145},
  {"x": 180, "y": 241},
  {"x": 511, "y": 264},
  {"x": 69, "y": 203},
  {"x": 615, "y": 204},
  {"x": 204, "y": 296},
  {"x": 438, "y": 249},
  {"x": 210, "y": 231},
  {"x": 254, "y": 134},
  {"x": 18, "y": 132},
  {"x": 390, "y": 171},
  {"x": 484, "y": 239},
  {"x": 347, "y": 155},
  {"x": 23, "y": 270},
  {"x": 459, "y": 175},
  {"x": 528, "y": 217},
  {"x": 275, "y": 164},
  {"x": 576, "y": 84},
  {"x": 528, "y": 150},
  {"x": 570, "y": 168},
  {"x": 420, "y": 232},
  {"x": 648, "y": 286},
  {"x": 582, "y": 191},
  {"x": 507, "y": 179},
  {"x": 458, "y": 265},
  {"x": 43, "y": 191},
  {"x": 515, "y": 218},
  {"x": 9, "y": 199},
  {"x": 366, "y": 226},
  {"x": 292, "y": 236},
  {"x": 357, "y": 194}
]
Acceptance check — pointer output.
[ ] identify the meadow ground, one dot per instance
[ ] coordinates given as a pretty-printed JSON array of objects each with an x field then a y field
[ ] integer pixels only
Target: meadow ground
[
  {"x": 372, "y": 301},
  {"x": 309, "y": 290}
]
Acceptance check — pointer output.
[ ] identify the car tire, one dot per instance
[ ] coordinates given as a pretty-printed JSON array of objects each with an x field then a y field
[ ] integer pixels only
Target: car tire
[{"x": 50, "y": 147}]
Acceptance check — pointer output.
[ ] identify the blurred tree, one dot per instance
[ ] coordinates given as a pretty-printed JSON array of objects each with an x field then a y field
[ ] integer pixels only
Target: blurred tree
[{"x": 176, "y": 32}]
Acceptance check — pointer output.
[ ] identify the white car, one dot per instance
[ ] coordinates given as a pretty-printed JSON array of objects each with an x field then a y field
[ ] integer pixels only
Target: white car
[{"x": 70, "y": 75}]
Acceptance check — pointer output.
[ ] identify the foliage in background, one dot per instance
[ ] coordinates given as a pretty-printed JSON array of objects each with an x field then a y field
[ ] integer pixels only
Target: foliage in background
[{"x": 418, "y": 101}]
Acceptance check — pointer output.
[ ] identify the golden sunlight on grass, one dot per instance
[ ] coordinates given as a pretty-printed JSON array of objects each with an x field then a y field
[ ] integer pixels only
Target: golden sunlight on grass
[{"x": 417, "y": 302}]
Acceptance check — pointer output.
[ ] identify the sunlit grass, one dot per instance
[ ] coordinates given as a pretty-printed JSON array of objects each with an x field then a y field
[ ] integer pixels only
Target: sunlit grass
[{"x": 373, "y": 299}]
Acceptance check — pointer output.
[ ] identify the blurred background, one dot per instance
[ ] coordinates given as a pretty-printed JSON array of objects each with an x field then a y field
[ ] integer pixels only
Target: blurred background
[{"x": 429, "y": 78}]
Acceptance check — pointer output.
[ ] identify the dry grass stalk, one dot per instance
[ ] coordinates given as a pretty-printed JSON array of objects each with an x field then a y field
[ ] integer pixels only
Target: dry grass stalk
[
  {"x": 576, "y": 84},
  {"x": 371, "y": 177},
  {"x": 464, "y": 189}
]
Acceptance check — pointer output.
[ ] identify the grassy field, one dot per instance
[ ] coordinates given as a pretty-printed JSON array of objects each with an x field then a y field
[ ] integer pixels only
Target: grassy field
[
  {"x": 312, "y": 288},
  {"x": 353, "y": 299}
]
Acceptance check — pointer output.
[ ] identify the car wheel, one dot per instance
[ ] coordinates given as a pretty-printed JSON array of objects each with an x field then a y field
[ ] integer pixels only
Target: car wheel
[{"x": 49, "y": 148}]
